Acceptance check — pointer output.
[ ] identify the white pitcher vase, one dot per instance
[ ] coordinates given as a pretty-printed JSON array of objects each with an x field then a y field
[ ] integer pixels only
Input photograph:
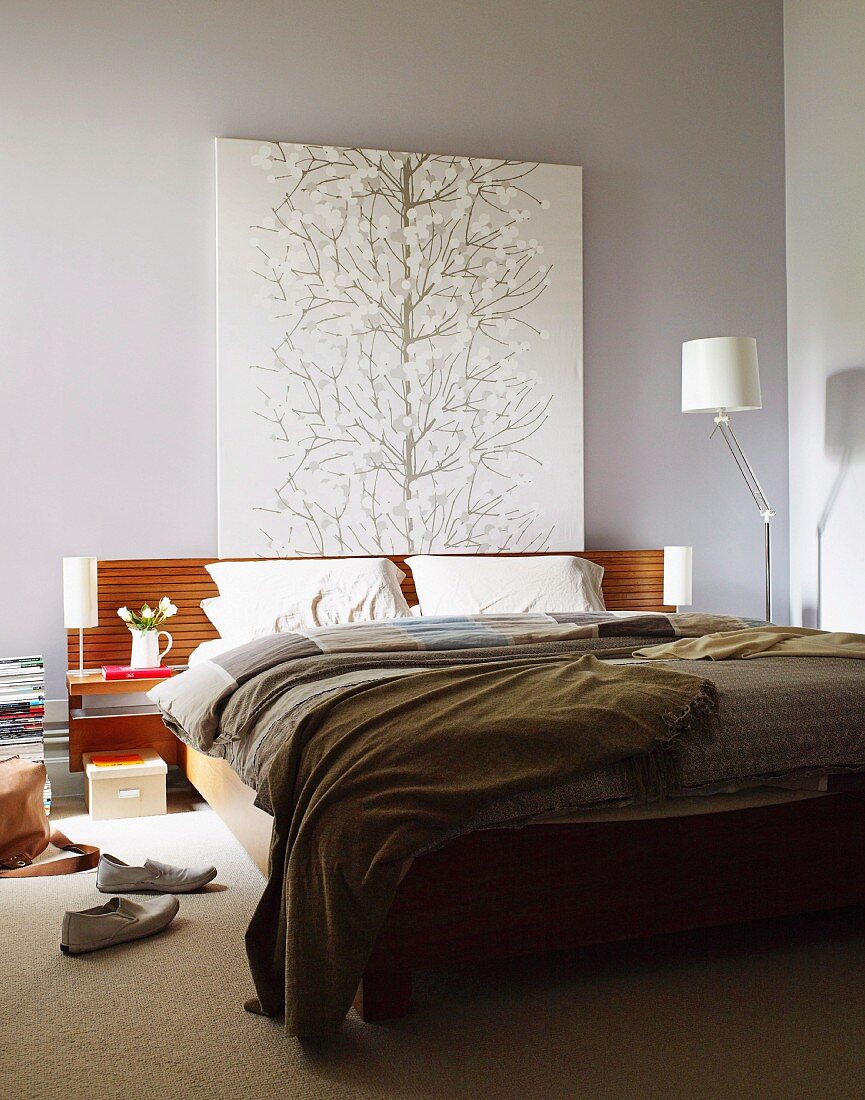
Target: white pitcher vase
[{"x": 145, "y": 648}]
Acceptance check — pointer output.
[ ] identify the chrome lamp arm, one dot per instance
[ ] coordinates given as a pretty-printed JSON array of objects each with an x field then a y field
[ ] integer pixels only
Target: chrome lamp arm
[{"x": 722, "y": 423}]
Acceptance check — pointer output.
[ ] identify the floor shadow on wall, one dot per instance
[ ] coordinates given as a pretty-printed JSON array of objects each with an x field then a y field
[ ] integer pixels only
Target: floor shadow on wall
[{"x": 844, "y": 442}]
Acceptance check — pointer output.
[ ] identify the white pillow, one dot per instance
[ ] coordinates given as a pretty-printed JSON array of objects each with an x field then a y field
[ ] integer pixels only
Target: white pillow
[
  {"x": 208, "y": 650},
  {"x": 267, "y": 597},
  {"x": 230, "y": 617},
  {"x": 475, "y": 585}
]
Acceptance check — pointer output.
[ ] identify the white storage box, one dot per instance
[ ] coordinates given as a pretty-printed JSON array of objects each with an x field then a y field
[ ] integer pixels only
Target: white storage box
[{"x": 125, "y": 790}]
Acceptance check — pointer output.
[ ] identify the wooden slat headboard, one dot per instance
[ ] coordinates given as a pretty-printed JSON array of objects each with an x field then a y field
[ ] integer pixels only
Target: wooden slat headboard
[{"x": 633, "y": 580}]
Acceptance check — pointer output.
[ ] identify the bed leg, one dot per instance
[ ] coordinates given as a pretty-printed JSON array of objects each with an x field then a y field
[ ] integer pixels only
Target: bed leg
[{"x": 383, "y": 994}]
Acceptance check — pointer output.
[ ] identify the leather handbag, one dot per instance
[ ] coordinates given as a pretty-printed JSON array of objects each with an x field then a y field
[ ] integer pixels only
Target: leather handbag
[{"x": 24, "y": 829}]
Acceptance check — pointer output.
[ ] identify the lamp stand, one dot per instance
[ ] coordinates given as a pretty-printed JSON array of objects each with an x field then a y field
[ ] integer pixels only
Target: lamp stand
[
  {"x": 722, "y": 424},
  {"x": 81, "y": 649}
]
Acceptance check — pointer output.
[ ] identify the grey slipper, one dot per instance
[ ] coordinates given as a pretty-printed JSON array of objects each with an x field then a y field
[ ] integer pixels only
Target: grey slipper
[
  {"x": 117, "y": 921},
  {"x": 113, "y": 876}
]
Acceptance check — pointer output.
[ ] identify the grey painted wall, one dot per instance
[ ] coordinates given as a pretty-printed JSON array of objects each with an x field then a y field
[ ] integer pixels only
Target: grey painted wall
[
  {"x": 825, "y": 45},
  {"x": 675, "y": 110}
]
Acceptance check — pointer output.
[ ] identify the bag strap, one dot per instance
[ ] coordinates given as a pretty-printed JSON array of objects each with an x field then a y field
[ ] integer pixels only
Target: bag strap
[{"x": 85, "y": 858}]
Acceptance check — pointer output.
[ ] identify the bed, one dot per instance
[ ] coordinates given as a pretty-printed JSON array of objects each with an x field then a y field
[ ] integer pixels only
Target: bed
[{"x": 564, "y": 881}]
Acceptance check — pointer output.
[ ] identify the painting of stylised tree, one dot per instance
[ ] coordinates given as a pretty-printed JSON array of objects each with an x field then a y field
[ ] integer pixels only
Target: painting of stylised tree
[{"x": 403, "y": 292}]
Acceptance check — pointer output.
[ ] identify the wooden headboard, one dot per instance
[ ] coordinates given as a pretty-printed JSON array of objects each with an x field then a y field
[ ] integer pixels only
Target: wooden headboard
[{"x": 633, "y": 580}]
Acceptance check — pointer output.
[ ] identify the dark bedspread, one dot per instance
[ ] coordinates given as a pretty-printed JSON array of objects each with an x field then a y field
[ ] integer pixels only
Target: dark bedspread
[{"x": 269, "y": 708}]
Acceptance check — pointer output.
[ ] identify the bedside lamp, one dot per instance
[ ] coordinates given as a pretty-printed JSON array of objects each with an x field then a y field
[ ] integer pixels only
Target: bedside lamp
[
  {"x": 721, "y": 375},
  {"x": 678, "y": 575},
  {"x": 80, "y": 599}
]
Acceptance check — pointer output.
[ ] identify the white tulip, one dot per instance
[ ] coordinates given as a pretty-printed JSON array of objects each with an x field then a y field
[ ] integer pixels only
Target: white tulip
[
  {"x": 146, "y": 612},
  {"x": 125, "y": 614},
  {"x": 164, "y": 603},
  {"x": 170, "y": 610}
]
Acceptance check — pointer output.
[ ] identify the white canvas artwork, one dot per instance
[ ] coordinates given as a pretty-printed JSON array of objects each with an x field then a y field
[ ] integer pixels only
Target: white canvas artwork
[{"x": 400, "y": 352}]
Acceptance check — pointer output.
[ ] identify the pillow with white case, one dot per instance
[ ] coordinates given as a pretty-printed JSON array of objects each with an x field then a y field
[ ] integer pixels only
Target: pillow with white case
[
  {"x": 228, "y": 616},
  {"x": 257, "y": 598},
  {"x": 486, "y": 585}
]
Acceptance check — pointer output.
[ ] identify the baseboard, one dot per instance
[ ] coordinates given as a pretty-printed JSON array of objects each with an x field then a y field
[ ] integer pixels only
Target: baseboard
[
  {"x": 64, "y": 783},
  {"x": 56, "y": 713}
]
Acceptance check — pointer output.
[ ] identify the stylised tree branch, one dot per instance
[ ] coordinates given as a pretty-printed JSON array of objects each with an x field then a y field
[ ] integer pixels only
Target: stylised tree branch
[{"x": 395, "y": 275}]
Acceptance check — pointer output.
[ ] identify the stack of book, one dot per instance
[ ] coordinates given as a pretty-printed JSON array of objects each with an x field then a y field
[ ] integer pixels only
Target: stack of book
[{"x": 22, "y": 711}]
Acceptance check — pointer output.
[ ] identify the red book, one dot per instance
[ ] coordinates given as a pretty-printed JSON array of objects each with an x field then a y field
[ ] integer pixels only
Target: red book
[{"x": 125, "y": 672}]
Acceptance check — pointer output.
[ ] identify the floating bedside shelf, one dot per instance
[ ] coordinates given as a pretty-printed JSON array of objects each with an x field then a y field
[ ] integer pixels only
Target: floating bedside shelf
[{"x": 104, "y": 728}]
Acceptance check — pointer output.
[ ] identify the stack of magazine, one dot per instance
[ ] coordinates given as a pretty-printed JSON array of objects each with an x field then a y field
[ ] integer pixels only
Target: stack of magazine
[{"x": 22, "y": 711}]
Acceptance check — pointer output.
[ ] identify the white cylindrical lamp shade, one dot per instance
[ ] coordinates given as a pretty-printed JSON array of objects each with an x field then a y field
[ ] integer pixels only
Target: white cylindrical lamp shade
[
  {"x": 80, "y": 593},
  {"x": 678, "y": 573},
  {"x": 720, "y": 373}
]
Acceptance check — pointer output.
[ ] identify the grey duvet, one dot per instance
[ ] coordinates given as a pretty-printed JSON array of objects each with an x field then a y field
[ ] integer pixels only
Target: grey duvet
[{"x": 780, "y": 718}]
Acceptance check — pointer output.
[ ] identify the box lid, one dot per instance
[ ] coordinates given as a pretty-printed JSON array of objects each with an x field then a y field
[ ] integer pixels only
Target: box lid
[{"x": 151, "y": 764}]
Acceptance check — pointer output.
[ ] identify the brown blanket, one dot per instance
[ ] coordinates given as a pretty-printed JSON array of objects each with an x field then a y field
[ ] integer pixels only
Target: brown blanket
[{"x": 375, "y": 775}]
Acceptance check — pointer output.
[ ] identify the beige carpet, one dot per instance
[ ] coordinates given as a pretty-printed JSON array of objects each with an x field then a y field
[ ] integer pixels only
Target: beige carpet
[{"x": 772, "y": 1011}]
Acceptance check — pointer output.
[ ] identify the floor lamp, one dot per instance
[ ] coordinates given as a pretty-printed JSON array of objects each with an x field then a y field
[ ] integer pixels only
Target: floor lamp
[{"x": 721, "y": 375}]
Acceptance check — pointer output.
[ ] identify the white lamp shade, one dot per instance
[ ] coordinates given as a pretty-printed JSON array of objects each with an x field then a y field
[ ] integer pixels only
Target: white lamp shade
[
  {"x": 80, "y": 593},
  {"x": 720, "y": 373},
  {"x": 677, "y": 575}
]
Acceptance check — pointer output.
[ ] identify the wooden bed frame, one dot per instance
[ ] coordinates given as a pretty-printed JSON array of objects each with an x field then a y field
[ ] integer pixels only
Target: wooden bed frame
[{"x": 505, "y": 892}]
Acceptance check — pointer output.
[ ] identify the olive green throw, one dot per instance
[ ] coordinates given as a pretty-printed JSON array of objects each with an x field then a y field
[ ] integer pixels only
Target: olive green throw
[
  {"x": 761, "y": 641},
  {"x": 379, "y": 773}
]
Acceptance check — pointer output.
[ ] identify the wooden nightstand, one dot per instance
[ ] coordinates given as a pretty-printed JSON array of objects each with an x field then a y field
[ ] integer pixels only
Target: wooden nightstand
[{"x": 99, "y": 729}]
